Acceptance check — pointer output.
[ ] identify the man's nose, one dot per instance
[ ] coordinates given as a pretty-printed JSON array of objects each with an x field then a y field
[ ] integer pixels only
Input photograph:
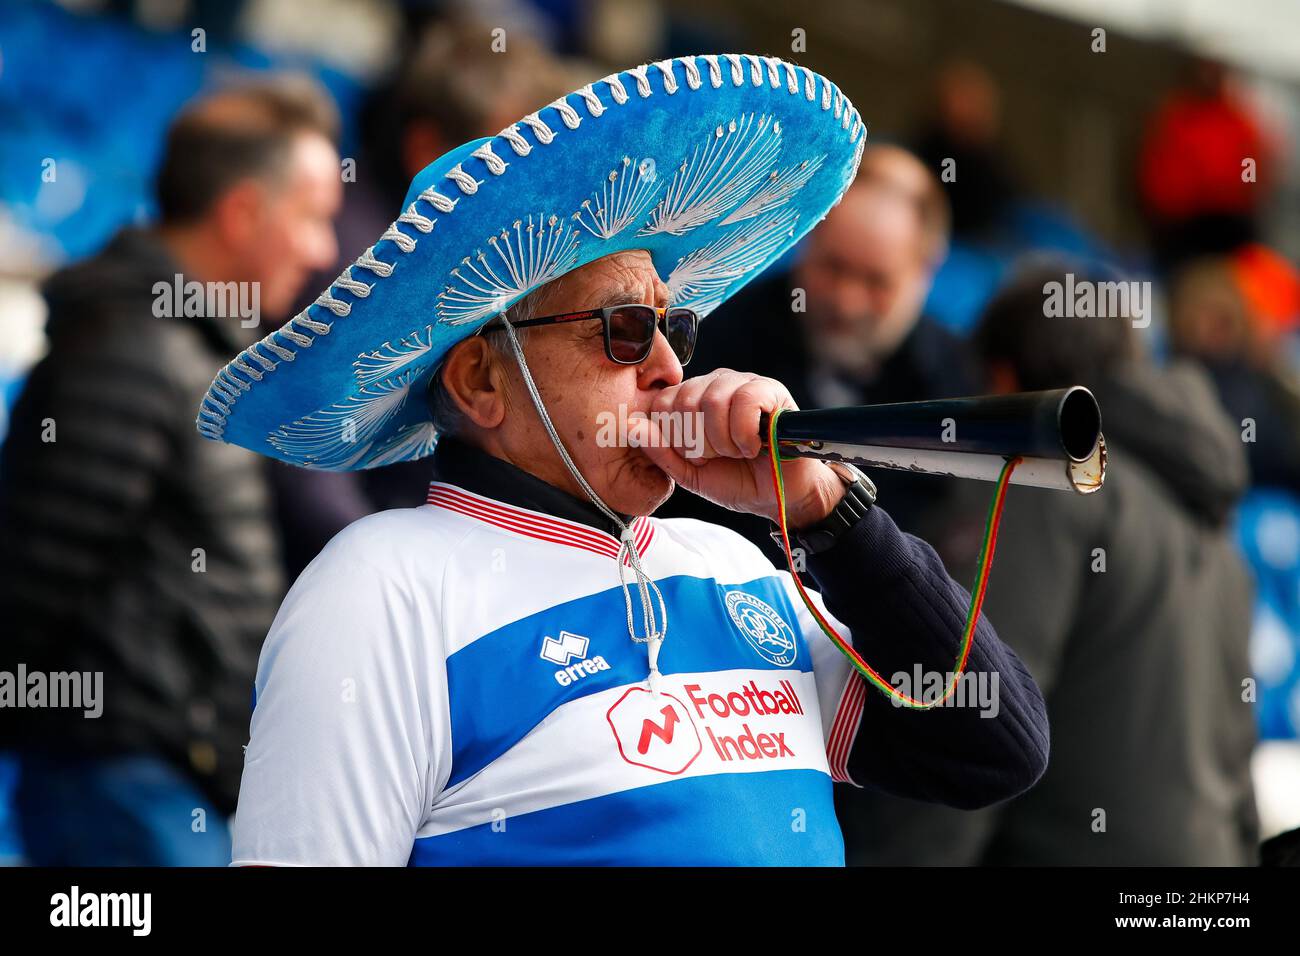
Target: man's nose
[
  {"x": 320, "y": 247},
  {"x": 331, "y": 251},
  {"x": 661, "y": 368},
  {"x": 853, "y": 297},
  {"x": 330, "y": 247}
]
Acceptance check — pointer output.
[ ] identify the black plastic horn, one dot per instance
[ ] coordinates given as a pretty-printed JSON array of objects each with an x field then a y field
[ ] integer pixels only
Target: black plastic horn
[
  {"x": 1057, "y": 433},
  {"x": 1062, "y": 423}
]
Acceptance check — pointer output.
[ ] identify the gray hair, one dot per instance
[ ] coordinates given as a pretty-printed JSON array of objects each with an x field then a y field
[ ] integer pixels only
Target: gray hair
[{"x": 447, "y": 417}]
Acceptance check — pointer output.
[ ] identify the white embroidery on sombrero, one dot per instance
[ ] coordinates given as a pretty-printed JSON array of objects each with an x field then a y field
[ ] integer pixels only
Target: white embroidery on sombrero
[
  {"x": 516, "y": 140},
  {"x": 717, "y": 175},
  {"x": 389, "y": 359},
  {"x": 398, "y": 238},
  {"x": 412, "y": 217},
  {"x": 715, "y": 72},
  {"x": 218, "y": 404},
  {"x": 853, "y": 173},
  {"x": 495, "y": 164},
  {"x": 437, "y": 200},
  {"x": 545, "y": 135},
  {"x": 567, "y": 113},
  {"x": 670, "y": 80},
  {"x": 624, "y": 195},
  {"x": 368, "y": 261},
  {"x": 413, "y": 441},
  {"x": 589, "y": 97},
  {"x": 701, "y": 278},
  {"x": 537, "y": 253},
  {"x": 342, "y": 435},
  {"x": 776, "y": 191},
  {"x": 641, "y": 75}
]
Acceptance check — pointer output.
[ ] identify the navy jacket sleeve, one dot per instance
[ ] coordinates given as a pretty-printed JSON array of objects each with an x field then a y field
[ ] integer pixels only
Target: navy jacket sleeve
[{"x": 894, "y": 594}]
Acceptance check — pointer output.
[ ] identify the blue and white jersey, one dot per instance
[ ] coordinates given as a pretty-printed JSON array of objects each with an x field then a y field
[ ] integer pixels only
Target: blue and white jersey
[{"x": 455, "y": 685}]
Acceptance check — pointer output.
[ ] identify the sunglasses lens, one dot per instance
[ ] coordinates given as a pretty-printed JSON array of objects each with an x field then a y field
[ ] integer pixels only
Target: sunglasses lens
[
  {"x": 631, "y": 333},
  {"x": 682, "y": 327}
]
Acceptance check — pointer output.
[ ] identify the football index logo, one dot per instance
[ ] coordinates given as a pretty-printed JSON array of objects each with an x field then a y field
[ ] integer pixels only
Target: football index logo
[
  {"x": 765, "y": 630},
  {"x": 564, "y": 650},
  {"x": 657, "y": 733}
]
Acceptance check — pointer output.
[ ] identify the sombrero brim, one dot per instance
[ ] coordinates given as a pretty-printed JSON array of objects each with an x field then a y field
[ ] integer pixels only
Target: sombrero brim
[{"x": 714, "y": 164}]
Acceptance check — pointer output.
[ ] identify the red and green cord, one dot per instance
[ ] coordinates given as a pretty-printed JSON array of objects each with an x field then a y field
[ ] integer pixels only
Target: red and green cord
[{"x": 977, "y": 592}]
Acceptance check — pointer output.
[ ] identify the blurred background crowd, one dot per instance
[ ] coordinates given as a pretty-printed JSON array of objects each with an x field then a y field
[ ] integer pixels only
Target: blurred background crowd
[{"x": 1012, "y": 145}]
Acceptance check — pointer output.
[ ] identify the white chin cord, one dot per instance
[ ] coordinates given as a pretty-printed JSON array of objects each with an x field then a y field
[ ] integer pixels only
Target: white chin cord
[{"x": 656, "y": 631}]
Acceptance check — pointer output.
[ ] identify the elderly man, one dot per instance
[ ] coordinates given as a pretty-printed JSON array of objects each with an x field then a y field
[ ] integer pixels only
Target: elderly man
[{"x": 529, "y": 669}]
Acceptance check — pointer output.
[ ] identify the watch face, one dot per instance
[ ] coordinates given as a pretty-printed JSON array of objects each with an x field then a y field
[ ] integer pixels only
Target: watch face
[
  {"x": 848, "y": 474},
  {"x": 856, "y": 503},
  {"x": 851, "y": 475}
]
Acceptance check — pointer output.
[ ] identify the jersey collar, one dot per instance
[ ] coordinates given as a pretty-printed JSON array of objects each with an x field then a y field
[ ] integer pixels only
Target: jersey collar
[{"x": 507, "y": 496}]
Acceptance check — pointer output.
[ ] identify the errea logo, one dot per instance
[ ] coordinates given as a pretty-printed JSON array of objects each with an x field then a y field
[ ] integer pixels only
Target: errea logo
[{"x": 564, "y": 650}]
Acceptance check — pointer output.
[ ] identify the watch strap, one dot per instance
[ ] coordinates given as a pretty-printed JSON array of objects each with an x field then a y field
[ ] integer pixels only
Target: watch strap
[{"x": 859, "y": 496}]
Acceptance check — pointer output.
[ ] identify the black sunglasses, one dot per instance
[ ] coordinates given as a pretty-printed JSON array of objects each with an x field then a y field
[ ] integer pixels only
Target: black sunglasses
[{"x": 630, "y": 329}]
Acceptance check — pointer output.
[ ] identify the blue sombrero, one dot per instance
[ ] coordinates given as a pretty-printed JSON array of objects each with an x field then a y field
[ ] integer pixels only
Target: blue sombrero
[{"x": 714, "y": 164}]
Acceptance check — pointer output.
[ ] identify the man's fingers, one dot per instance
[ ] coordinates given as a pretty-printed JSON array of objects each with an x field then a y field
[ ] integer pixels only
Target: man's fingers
[
  {"x": 686, "y": 393},
  {"x": 715, "y": 412},
  {"x": 678, "y": 411},
  {"x": 748, "y": 404},
  {"x": 716, "y": 417},
  {"x": 707, "y": 400}
]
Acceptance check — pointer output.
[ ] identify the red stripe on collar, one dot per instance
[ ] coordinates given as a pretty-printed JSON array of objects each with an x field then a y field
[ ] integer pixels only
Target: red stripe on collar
[{"x": 534, "y": 524}]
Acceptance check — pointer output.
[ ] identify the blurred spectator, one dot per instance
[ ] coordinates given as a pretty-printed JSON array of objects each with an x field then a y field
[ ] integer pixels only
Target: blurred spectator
[
  {"x": 1192, "y": 171},
  {"x": 452, "y": 88},
  {"x": 1131, "y": 608},
  {"x": 1212, "y": 322},
  {"x": 134, "y": 548},
  {"x": 845, "y": 327},
  {"x": 1270, "y": 286},
  {"x": 963, "y": 136}
]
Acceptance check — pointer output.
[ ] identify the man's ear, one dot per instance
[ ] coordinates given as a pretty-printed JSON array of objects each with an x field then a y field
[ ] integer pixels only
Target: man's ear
[
  {"x": 474, "y": 379},
  {"x": 237, "y": 213}
]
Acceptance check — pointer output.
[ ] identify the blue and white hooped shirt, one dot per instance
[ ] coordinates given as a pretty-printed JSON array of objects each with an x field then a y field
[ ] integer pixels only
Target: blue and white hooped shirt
[{"x": 455, "y": 685}]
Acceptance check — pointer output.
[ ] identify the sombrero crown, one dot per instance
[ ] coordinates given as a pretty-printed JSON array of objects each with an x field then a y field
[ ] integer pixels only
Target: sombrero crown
[{"x": 714, "y": 164}]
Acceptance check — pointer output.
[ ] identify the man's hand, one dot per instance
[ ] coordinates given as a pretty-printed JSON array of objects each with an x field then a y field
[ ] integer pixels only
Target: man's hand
[{"x": 734, "y": 470}]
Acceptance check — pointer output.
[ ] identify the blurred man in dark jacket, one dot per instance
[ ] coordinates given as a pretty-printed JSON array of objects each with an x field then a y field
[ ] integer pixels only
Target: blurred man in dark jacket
[
  {"x": 845, "y": 327},
  {"x": 134, "y": 548},
  {"x": 1131, "y": 608}
]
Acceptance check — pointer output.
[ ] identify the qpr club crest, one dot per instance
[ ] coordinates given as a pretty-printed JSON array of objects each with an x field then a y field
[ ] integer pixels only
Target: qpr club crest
[{"x": 765, "y": 630}]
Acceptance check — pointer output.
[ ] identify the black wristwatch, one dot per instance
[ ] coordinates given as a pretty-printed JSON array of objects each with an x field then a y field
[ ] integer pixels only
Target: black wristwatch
[{"x": 859, "y": 496}]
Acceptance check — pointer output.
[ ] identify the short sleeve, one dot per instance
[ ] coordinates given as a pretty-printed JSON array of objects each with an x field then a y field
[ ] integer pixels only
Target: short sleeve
[{"x": 341, "y": 764}]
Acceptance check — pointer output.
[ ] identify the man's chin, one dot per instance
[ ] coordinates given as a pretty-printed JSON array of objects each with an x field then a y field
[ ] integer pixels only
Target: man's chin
[
  {"x": 845, "y": 353},
  {"x": 671, "y": 487},
  {"x": 643, "y": 487}
]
